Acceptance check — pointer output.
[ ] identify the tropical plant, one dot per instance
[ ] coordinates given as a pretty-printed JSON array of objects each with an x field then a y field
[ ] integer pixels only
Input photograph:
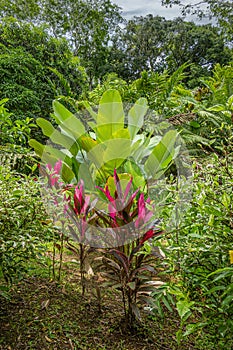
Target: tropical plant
[
  {"x": 31, "y": 74},
  {"x": 24, "y": 225},
  {"x": 106, "y": 143},
  {"x": 14, "y": 131},
  {"x": 130, "y": 223},
  {"x": 198, "y": 251}
]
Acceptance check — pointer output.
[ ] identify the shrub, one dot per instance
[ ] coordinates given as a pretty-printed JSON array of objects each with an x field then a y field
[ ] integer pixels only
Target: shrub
[{"x": 24, "y": 227}]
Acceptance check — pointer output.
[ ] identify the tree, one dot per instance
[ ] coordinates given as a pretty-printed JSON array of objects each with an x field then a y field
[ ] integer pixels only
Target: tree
[
  {"x": 219, "y": 10},
  {"x": 140, "y": 46},
  {"x": 30, "y": 62},
  {"x": 202, "y": 46},
  {"x": 154, "y": 44},
  {"x": 87, "y": 25}
]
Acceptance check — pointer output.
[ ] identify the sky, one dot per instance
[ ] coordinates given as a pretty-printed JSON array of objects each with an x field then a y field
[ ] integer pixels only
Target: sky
[{"x": 143, "y": 7}]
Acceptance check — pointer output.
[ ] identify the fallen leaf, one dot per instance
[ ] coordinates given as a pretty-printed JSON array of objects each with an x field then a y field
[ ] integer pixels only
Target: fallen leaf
[
  {"x": 48, "y": 339},
  {"x": 45, "y": 304}
]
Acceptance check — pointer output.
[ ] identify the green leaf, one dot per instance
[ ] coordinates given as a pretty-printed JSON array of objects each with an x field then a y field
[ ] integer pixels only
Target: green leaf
[
  {"x": 166, "y": 303},
  {"x": 68, "y": 121},
  {"x": 226, "y": 200},
  {"x": 51, "y": 155},
  {"x": 183, "y": 308},
  {"x": 66, "y": 173},
  {"x": 216, "y": 108},
  {"x": 138, "y": 178},
  {"x": 132, "y": 285},
  {"x": 110, "y": 116},
  {"x": 38, "y": 147},
  {"x": 136, "y": 116},
  {"x": 162, "y": 155},
  {"x": 56, "y": 137},
  {"x": 124, "y": 180},
  {"x": 194, "y": 124},
  {"x": 117, "y": 150},
  {"x": 227, "y": 301}
]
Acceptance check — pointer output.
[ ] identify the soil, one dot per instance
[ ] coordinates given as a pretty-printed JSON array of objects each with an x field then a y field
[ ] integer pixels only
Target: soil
[{"x": 46, "y": 315}]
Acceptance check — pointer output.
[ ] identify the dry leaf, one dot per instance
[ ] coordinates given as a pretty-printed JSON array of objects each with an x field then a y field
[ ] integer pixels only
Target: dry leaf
[
  {"x": 45, "y": 304},
  {"x": 48, "y": 339}
]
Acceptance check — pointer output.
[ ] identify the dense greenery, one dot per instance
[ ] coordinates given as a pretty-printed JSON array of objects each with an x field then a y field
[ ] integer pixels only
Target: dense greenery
[
  {"x": 125, "y": 98},
  {"x": 154, "y": 44}
]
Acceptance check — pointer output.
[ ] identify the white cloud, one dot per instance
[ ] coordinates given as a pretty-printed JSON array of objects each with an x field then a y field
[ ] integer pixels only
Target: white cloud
[
  {"x": 132, "y": 8},
  {"x": 138, "y": 8}
]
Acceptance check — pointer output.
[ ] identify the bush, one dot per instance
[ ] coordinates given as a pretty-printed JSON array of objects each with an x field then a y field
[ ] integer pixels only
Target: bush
[{"x": 24, "y": 227}]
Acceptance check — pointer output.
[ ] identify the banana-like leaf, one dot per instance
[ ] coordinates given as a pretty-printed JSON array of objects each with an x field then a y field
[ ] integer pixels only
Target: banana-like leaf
[
  {"x": 117, "y": 149},
  {"x": 136, "y": 116},
  {"x": 90, "y": 110},
  {"x": 110, "y": 118},
  {"x": 87, "y": 143},
  {"x": 68, "y": 120},
  {"x": 57, "y": 137},
  {"x": 135, "y": 171},
  {"x": 161, "y": 156},
  {"x": 51, "y": 155},
  {"x": 43, "y": 151}
]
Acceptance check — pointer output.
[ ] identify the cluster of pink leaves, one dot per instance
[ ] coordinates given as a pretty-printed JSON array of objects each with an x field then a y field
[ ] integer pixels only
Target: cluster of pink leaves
[{"x": 123, "y": 207}]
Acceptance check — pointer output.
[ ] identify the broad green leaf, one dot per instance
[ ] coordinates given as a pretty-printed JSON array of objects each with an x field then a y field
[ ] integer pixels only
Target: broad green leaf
[
  {"x": 90, "y": 110},
  {"x": 162, "y": 155},
  {"x": 110, "y": 116},
  {"x": 38, "y": 147},
  {"x": 48, "y": 153},
  {"x": 75, "y": 168},
  {"x": 57, "y": 137},
  {"x": 96, "y": 154},
  {"x": 117, "y": 149},
  {"x": 66, "y": 173},
  {"x": 87, "y": 143},
  {"x": 136, "y": 116},
  {"x": 183, "y": 308},
  {"x": 86, "y": 175},
  {"x": 138, "y": 177},
  {"x": 68, "y": 120}
]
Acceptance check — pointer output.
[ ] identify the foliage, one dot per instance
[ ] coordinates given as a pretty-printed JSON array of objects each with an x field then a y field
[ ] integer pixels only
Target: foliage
[
  {"x": 108, "y": 145},
  {"x": 198, "y": 254},
  {"x": 202, "y": 115},
  {"x": 23, "y": 225},
  {"x": 17, "y": 132},
  {"x": 128, "y": 267},
  {"x": 87, "y": 24},
  {"x": 27, "y": 55},
  {"x": 154, "y": 44},
  {"x": 221, "y": 10}
]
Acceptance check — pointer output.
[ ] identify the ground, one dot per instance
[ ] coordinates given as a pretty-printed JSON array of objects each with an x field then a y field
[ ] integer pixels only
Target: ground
[{"x": 47, "y": 315}]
